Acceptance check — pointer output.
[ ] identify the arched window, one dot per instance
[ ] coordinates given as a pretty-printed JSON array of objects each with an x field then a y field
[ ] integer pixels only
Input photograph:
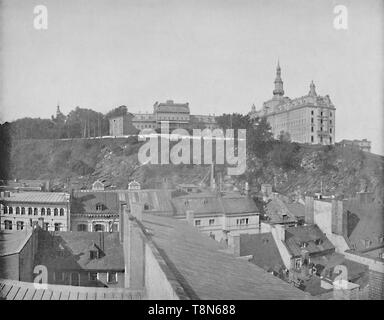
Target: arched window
[
  {"x": 57, "y": 226},
  {"x": 42, "y": 211},
  {"x": 17, "y": 210},
  {"x": 48, "y": 211},
  {"x": 82, "y": 227},
  {"x": 35, "y": 212},
  {"x": 22, "y": 210},
  {"x": 19, "y": 225},
  {"x": 29, "y": 210},
  {"x": 5, "y": 209},
  {"x": 10, "y": 210},
  {"x": 98, "y": 228},
  {"x": 55, "y": 212},
  {"x": 61, "y": 211},
  {"x": 7, "y": 224}
]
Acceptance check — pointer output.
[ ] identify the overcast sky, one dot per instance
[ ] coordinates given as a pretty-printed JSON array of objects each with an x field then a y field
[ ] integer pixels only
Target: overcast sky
[{"x": 220, "y": 56}]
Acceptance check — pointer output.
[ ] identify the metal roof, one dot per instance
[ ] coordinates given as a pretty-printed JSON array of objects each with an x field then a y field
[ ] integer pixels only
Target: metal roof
[{"x": 37, "y": 197}]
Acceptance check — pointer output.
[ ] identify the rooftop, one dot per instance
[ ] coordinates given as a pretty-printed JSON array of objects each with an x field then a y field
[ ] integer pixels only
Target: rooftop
[
  {"x": 12, "y": 241},
  {"x": 71, "y": 250},
  {"x": 86, "y": 202},
  {"x": 37, "y": 197},
  {"x": 212, "y": 274},
  {"x": 263, "y": 248},
  {"x": 314, "y": 239},
  {"x": 18, "y": 290}
]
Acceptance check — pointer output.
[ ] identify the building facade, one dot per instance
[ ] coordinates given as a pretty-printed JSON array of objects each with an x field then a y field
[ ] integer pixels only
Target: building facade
[
  {"x": 23, "y": 209},
  {"x": 307, "y": 119},
  {"x": 363, "y": 145},
  {"x": 121, "y": 125}
]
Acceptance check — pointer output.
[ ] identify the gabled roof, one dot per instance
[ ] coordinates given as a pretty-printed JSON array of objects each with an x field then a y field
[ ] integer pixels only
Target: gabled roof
[
  {"x": 77, "y": 246},
  {"x": 205, "y": 272},
  {"x": 85, "y": 202},
  {"x": 156, "y": 200},
  {"x": 12, "y": 241},
  {"x": 295, "y": 236},
  {"x": 264, "y": 250},
  {"x": 278, "y": 212}
]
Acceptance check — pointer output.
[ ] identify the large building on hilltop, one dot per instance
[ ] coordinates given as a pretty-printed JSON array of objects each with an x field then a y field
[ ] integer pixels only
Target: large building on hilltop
[
  {"x": 176, "y": 114},
  {"x": 307, "y": 119}
]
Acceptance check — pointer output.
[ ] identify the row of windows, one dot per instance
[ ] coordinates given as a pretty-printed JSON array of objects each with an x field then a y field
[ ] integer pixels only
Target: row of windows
[
  {"x": 211, "y": 222},
  {"x": 74, "y": 277},
  {"x": 34, "y": 211},
  {"x": 8, "y": 225}
]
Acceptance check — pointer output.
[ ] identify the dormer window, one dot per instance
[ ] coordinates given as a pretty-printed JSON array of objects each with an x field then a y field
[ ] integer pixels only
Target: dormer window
[
  {"x": 93, "y": 254},
  {"x": 99, "y": 207},
  {"x": 303, "y": 244},
  {"x": 318, "y": 241}
]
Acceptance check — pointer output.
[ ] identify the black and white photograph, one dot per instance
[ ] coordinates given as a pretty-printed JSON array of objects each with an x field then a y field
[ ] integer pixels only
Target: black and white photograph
[{"x": 220, "y": 150}]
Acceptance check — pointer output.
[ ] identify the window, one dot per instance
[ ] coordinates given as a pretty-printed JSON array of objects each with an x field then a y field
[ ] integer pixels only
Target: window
[
  {"x": 17, "y": 210},
  {"x": 311, "y": 120},
  {"x": 59, "y": 276},
  {"x": 99, "y": 207},
  {"x": 57, "y": 226},
  {"x": 197, "y": 222},
  {"x": 8, "y": 225},
  {"x": 48, "y": 211},
  {"x": 298, "y": 263},
  {"x": 318, "y": 241},
  {"x": 29, "y": 211},
  {"x": 35, "y": 211},
  {"x": 5, "y": 209},
  {"x": 381, "y": 255},
  {"x": 321, "y": 113},
  {"x": 75, "y": 279},
  {"x": 312, "y": 112},
  {"x": 82, "y": 227},
  {"x": 42, "y": 211},
  {"x": 46, "y": 226},
  {"x": 99, "y": 228},
  {"x": 93, "y": 254},
  {"x": 55, "y": 212},
  {"x": 311, "y": 129},
  {"x": 330, "y": 114},
  {"x": 303, "y": 245},
  {"x": 212, "y": 235},
  {"x": 92, "y": 276},
  {"x": 10, "y": 210},
  {"x": 22, "y": 210},
  {"x": 367, "y": 243},
  {"x": 146, "y": 206},
  {"x": 330, "y": 130},
  {"x": 19, "y": 225},
  {"x": 211, "y": 222},
  {"x": 61, "y": 211},
  {"x": 112, "y": 277}
]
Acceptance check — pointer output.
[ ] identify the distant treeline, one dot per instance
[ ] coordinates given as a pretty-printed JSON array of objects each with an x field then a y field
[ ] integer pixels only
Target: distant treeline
[{"x": 79, "y": 123}]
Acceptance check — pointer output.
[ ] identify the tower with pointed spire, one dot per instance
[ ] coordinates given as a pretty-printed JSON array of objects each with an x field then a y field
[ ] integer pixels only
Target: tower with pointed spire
[
  {"x": 279, "y": 90},
  {"x": 307, "y": 119}
]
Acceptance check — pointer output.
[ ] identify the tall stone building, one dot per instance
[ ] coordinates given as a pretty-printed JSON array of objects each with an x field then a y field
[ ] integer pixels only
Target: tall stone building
[{"x": 307, "y": 119}]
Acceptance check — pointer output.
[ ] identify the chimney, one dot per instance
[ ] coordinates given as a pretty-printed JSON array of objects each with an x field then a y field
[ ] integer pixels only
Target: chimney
[
  {"x": 309, "y": 210},
  {"x": 190, "y": 216},
  {"x": 339, "y": 220},
  {"x": 236, "y": 245},
  {"x": 134, "y": 247},
  {"x": 280, "y": 232}
]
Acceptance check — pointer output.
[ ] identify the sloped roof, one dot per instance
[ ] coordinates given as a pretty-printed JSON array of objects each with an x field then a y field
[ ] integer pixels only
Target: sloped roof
[
  {"x": 85, "y": 202},
  {"x": 207, "y": 273},
  {"x": 76, "y": 246},
  {"x": 263, "y": 248},
  {"x": 369, "y": 223},
  {"x": 157, "y": 200},
  {"x": 12, "y": 241},
  {"x": 18, "y": 290},
  {"x": 295, "y": 236},
  {"x": 212, "y": 203},
  {"x": 37, "y": 197},
  {"x": 172, "y": 107},
  {"x": 276, "y": 209}
]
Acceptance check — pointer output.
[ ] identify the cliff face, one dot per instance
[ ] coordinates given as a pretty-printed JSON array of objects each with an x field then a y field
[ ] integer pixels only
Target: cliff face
[{"x": 336, "y": 170}]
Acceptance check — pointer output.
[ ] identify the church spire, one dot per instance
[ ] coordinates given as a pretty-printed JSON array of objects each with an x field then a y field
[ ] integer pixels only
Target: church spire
[{"x": 279, "y": 91}]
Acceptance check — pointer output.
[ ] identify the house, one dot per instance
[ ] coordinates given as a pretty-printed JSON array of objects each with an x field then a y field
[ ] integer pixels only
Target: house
[
  {"x": 95, "y": 211},
  {"x": 218, "y": 215},
  {"x": 19, "y": 210},
  {"x": 86, "y": 259}
]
